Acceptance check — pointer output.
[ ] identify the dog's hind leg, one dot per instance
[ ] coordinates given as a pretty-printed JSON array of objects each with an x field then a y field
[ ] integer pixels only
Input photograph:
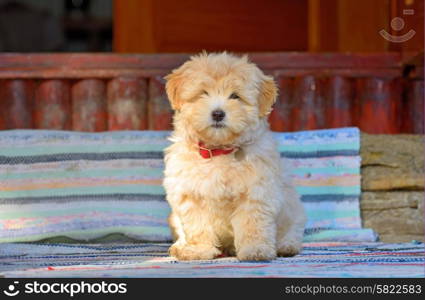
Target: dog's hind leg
[
  {"x": 290, "y": 229},
  {"x": 289, "y": 242},
  {"x": 176, "y": 228}
]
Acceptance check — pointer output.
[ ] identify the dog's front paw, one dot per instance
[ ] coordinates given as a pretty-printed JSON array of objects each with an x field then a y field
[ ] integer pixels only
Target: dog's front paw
[
  {"x": 289, "y": 248},
  {"x": 256, "y": 252},
  {"x": 194, "y": 252}
]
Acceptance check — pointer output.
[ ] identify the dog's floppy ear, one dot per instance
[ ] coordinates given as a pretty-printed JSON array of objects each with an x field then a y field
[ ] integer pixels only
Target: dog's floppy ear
[
  {"x": 268, "y": 94},
  {"x": 173, "y": 88}
]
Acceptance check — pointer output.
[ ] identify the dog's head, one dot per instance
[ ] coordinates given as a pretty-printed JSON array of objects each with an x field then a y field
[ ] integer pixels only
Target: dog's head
[{"x": 220, "y": 97}]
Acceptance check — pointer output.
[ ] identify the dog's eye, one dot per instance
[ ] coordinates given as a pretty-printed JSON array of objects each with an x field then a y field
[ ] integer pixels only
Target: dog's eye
[
  {"x": 234, "y": 96},
  {"x": 205, "y": 93}
]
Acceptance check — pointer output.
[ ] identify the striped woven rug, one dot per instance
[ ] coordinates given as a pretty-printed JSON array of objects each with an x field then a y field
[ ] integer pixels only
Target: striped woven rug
[
  {"x": 88, "y": 185},
  {"x": 334, "y": 259}
]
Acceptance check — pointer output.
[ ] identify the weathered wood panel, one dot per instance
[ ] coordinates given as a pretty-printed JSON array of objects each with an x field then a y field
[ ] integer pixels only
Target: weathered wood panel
[
  {"x": 339, "y": 102},
  {"x": 127, "y": 104},
  {"x": 16, "y": 104},
  {"x": 309, "y": 109},
  {"x": 415, "y": 105},
  {"x": 52, "y": 105},
  {"x": 379, "y": 107},
  {"x": 316, "y": 91},
  {"x": 107, "y": 65},
  {"x": 89, "y": 105},
  {"x": 160, "y": 114},
  {"x": 281, "y": 116}
]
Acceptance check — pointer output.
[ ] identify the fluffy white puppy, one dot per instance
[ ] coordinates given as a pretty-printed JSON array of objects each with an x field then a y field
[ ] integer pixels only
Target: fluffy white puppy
[{"x": 224, "y": 178}]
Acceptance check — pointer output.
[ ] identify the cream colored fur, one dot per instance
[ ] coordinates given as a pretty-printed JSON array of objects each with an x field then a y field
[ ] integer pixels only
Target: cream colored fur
[{"x": 239, "y": 204}]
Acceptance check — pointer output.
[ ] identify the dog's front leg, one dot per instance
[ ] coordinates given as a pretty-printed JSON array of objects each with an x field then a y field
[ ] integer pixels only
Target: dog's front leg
[
  {"x": 254, "y": 229},
  {"x": 199, "y": 241}
]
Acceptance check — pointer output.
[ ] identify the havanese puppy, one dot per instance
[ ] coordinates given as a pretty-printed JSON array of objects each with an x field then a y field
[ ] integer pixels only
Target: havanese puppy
[{"x": 224, "y": 178}]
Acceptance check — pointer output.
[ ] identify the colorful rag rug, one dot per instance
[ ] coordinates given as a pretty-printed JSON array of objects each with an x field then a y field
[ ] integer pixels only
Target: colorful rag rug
[
  {"x": 88, "y": 185},
  {"x": 334, "y": 259}
]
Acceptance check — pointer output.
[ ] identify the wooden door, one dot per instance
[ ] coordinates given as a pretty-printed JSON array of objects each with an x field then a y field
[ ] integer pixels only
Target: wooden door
[{"x": 158, "y": 26}]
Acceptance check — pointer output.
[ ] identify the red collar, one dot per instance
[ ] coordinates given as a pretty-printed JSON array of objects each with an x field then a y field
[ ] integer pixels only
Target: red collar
[{"x": 209, "y": 153}]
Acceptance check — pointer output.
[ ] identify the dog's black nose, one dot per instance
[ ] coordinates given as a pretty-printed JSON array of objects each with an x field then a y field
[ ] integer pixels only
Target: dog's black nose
[{"x": 218, "y": 115}]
